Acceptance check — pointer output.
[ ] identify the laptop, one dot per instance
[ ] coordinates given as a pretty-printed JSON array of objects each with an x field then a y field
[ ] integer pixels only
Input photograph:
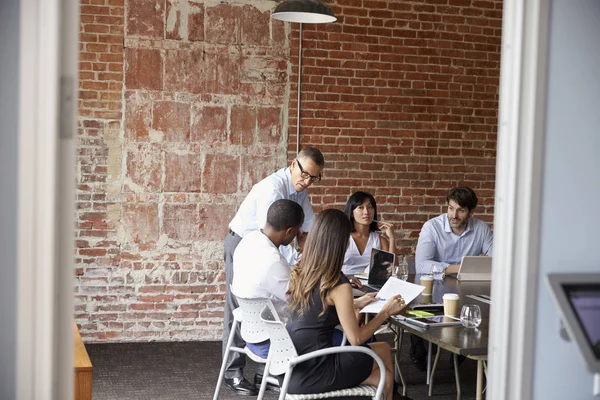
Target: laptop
[
  {"x": 380, "y": 269},
  {"x": 475, "y": 268}
]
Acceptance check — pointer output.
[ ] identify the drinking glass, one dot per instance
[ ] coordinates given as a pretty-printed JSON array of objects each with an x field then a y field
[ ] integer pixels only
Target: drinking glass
[
  {"x": 470, "y": 316},
  {"x": 402, "y": 271},
  {"x": 437, "y": 271}
]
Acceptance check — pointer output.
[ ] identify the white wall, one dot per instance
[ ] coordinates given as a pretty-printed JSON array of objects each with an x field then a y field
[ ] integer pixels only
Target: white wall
[
  {"x": 9, "y": 52},
  {"x": 570, "y": 208}
]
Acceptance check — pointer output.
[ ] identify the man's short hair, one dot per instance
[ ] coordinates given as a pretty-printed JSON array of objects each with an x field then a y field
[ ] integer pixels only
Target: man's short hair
[
  {"x": 463, "y": 196},
  {"x": 284, "y": 214},
  {"x": 313, "y": 154}
]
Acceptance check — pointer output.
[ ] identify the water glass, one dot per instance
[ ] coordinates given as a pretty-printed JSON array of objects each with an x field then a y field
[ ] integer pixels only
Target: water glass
[
  {"x": 402, "y": 271},
  {"x": 437, "y": 271},
  {"x": 470, "y": 316}
]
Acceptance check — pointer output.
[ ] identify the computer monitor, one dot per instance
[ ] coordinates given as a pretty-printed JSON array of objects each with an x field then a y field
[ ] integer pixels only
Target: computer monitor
[{"x": 578, "y": 299}]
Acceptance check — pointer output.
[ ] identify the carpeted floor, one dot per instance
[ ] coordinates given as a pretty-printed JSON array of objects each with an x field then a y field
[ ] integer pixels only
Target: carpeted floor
[{"x": 189, "y": 370}]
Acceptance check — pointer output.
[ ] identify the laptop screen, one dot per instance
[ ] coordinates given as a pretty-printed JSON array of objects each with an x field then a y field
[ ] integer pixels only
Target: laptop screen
[
  {"x": 382, "y": 266},
  {"x": 585, "y": 302}
]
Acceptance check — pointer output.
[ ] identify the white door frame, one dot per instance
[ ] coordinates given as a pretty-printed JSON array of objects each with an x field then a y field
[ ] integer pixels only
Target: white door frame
[
  {"x": 524, "y": 61},
  {"x": 48, "y": 48}
]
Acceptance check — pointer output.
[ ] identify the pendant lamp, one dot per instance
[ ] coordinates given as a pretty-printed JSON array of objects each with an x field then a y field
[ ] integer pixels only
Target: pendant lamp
[{"x": 303, "y": 11}]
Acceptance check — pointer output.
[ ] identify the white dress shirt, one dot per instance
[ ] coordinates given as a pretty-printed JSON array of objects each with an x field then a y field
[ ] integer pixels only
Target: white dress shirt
[
  {"x": 252, "y": 214},
  {"x": 439, "y": 247},
  {"x": 260, "y": 270},
  {"x": 354, "y": 262}
]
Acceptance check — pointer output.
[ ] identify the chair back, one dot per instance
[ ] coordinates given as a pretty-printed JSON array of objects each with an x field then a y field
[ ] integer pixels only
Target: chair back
[
  {"x": 252, "y": 328},
  {"x": 282, "y": 348}
]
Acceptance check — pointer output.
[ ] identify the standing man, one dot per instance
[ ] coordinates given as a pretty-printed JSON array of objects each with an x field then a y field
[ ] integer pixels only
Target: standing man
[
  {"x": 288, "y": 183},
  {"x": 444, "y": 241}
]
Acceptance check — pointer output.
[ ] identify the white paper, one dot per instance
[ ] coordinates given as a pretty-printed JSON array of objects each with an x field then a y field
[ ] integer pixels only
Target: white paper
[{"x": 393, "y": 286}]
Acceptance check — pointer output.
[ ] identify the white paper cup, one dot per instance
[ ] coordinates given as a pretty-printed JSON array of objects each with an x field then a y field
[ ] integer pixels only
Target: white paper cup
[{"x": 451, "y": 304}]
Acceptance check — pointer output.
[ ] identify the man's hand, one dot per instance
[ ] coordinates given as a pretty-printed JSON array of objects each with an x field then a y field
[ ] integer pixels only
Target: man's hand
[
  {"x": 301, "y": 240},
  {"x": 452, "y": 269}
]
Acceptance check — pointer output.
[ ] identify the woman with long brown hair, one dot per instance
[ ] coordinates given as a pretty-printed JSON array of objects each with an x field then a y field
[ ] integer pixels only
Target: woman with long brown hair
[{"x": 320, "y": 298}]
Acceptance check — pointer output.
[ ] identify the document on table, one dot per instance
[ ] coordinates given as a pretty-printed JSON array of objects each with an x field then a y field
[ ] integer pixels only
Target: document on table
[{"x": 393, "y": 286}]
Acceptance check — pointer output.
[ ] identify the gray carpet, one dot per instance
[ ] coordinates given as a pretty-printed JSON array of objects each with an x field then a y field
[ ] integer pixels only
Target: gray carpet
[{"x": 189, "y": 370}]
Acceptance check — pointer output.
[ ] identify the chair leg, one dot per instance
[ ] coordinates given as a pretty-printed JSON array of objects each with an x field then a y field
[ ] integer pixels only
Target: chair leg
[
  {"x": 435, "y": 363},
  {"x": 263, "y": 383},
  {"x": 225, "y": 357}
]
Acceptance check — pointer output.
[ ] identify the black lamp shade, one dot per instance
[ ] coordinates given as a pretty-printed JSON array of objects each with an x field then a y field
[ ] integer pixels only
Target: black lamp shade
[{"x": 303, "y": 11}]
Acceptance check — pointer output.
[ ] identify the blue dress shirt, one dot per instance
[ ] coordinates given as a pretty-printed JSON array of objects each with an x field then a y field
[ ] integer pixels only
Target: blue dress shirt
[{"x": 439, "y": 247}]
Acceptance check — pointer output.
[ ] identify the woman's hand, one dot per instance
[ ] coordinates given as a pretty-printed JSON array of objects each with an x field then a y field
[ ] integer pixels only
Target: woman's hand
[
  {"x": 387, "y": 228},
  {"x": 394, "y": 306},
  {"x": 362, "y": 301},
  {"x": 355, "y": 282}
]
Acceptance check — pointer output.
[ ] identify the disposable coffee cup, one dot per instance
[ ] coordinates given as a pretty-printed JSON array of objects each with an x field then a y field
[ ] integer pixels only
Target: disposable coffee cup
[
  {"x": 427, "y": 281},
  {"x": 451, "y": 304}
]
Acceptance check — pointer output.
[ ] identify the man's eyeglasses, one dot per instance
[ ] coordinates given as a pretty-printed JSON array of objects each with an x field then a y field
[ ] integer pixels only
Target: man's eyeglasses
[{"x": 306, "y": 175}]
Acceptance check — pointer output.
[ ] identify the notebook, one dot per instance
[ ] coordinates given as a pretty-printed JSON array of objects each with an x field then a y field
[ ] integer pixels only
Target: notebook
[
  {"x": 475, "y": 268},
  {"x": 380, "y": 269}
]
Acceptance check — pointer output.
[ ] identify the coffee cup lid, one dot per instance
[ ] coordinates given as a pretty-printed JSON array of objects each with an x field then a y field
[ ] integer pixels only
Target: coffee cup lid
[
  {"x": 450, "y": 296},
  {"x": 426, "y": 278}
]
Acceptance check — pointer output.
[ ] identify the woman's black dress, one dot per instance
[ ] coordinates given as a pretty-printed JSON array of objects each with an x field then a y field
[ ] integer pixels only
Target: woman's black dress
[{"x": 310, "y": 332}]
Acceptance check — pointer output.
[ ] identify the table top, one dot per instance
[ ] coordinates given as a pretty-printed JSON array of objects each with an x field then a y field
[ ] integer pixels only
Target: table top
[{"x": 457, "y": 339}]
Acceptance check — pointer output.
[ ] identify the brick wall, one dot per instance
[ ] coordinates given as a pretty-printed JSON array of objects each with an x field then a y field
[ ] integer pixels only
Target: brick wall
[{"x": 184, "y": 104}]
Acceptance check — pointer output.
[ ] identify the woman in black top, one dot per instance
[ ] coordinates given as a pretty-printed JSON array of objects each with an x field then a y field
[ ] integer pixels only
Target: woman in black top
[{"x": 320, "y": 298}]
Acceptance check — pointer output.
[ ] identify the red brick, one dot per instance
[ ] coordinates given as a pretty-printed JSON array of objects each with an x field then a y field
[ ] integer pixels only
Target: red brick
[
  {"x": 143, "y": 69},
  {"x": 138, "y": 116},
  {"x": 144, "y": 168},
  {"x": 223, "y": 71},
  {"x": 196, "y": 24},
  {"x": 214, "y": 219},
  {"x": 182, "y": 172},
  {"x": 256, "y": 168},
  {"x": 243, "y": 125},
  {"x": 172, "y": 119},
  {"x": 185, "y": 71},
  {"x": 269, "y": 125},
  {"x": 210, "y": 124},
  {"x": 145, "y": 18},
  {"x": 255, "y": 26},
  {"x": 180, "y": 222},
  {"x": 222, "y": 23},
  {"x": 193, "y": 17},
  {"x": 220, "y": 174},
  {"x": 140, "y": 222}
]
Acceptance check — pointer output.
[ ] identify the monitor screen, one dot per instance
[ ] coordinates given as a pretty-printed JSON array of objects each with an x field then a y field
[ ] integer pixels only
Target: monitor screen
[
  {"x": 382, "y": 265},
  {"x": 585, "y": 302}
]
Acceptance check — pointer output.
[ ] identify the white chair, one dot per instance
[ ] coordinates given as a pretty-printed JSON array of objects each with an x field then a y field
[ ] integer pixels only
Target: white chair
[
  {"x": 253, "y": 330},
  {"x": 283, "y": 358}
]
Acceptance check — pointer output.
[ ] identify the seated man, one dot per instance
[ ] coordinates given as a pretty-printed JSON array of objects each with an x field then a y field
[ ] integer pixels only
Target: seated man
[
  {"x": 445, "y": 240},
  {"x": 259, "y": 268}
]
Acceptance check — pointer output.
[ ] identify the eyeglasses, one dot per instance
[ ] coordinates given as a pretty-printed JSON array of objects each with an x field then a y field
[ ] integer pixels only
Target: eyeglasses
[{"x": 306, "y": 175}]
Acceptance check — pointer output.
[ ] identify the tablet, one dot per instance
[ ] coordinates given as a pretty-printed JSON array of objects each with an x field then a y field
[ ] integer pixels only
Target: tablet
[
  {"x": 433, "y": 321},
  {"x": 437, "y": 308}
]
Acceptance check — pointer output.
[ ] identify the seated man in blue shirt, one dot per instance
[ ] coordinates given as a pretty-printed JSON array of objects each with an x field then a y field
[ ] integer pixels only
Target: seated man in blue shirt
[{"x": 445, "y": 240}]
